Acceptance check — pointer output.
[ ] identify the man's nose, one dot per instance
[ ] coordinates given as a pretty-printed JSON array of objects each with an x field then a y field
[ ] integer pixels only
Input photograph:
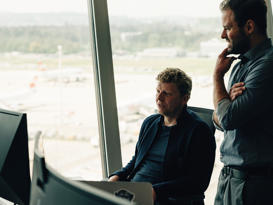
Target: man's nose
[
  {"x": 224, "y": 34},
  {"x": 159, "y": 97}
]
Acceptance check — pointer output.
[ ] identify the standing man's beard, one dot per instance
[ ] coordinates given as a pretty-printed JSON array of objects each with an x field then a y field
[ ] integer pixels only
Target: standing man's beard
[{"x": 241, "y": 45}]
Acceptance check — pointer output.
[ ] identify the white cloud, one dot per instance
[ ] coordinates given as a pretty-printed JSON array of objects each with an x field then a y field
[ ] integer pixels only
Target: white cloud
[
  {"x": 43, "y": 6},
  {"x": 198, "y": 8}
]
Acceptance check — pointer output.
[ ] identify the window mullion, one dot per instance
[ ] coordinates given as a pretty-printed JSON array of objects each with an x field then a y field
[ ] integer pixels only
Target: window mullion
[{"x": 104, "y": 86}]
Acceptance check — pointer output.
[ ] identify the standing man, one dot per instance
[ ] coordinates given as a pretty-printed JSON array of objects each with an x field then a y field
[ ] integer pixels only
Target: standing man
[
  {"x": 175, "y": 151},
  {"x": 245, "y": 110}
]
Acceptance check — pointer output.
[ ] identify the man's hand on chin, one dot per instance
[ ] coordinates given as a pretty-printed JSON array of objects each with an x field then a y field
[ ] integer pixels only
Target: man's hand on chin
[
  {"x": 222, "y": 66},
  {"x": 223, "y": 63}
]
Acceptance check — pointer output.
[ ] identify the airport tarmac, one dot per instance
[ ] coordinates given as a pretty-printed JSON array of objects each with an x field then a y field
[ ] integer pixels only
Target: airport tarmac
[{"x": 67, "y": 117}]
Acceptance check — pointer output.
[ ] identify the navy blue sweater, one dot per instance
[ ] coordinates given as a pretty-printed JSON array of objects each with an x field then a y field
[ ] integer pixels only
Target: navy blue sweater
[{"x": 189, "y": 157}]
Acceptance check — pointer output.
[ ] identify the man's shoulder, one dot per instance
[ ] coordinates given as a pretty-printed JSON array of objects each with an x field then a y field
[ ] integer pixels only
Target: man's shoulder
[
  {"x": 152, "y": 118},
  {"x": 269, "y": 55},
  {"x": 194, "y": 117},
  {"x": 263, "y": 64},
  {"x": 261, "y": 51},
  {"x": 194, "y": 121},
  {"x": 260, "y": 66},
  {"x": 265, "y": 56},
  {"x": 150, "y": 121}
]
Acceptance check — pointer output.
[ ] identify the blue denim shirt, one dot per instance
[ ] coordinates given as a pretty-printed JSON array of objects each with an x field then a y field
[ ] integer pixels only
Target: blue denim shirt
[{"x": 247, "y": 122}]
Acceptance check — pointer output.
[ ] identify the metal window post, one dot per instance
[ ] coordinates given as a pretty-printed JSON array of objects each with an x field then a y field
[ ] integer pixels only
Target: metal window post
[
  {"x": 269, "y": 20},
  {"x": 104, "y": 86}
]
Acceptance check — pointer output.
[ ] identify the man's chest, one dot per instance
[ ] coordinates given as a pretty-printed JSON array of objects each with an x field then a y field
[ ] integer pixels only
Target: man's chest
[{"x": 239, "y": 74}]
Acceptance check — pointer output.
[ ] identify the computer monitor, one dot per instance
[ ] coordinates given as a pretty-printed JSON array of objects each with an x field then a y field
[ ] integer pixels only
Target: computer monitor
[
  {"x": 49, "y": 187},
  {"x": 14, "y": 157}
]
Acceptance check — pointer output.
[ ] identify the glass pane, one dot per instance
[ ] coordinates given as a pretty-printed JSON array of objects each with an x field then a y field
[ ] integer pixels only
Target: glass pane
[
  {"x": 46, "y": 70},
  {"x": 149, "y": 36}
]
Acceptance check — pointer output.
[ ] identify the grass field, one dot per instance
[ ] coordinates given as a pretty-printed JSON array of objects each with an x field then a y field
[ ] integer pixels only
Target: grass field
[
  {"x": 201, "y": 66},
  {"x": 196, "y": 66}
]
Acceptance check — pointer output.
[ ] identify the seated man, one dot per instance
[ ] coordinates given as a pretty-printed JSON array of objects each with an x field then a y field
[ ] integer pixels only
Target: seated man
[{"x": 175, "y": 151}]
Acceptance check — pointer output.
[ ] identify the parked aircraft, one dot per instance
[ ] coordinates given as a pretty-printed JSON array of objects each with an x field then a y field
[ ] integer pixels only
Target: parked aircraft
[
  {"x": 67, "y": 75},
  {"x": 13, "y": 100},
  {"x": 202, "y": 81},
  {"x": 133, "y": 106},
  {"x": 131, "y": 114}
]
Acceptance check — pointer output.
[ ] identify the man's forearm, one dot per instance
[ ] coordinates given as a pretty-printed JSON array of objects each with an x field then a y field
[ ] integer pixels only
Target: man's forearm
[
  {"x": 219, "y": 89},
  {"x": 215, "y": 119},
  {"x": 222, "y": 66}
]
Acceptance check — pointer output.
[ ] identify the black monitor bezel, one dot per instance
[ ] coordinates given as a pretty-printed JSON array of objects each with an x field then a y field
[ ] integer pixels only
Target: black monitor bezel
[
  {"x": 15, "y": 172},
  {"x": 43, "y": 175}
]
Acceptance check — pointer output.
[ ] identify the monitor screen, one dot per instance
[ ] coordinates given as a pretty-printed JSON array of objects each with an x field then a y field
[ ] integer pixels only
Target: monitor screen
[
  {"x": 49, "y": 187},
  {"x": 14, "y": 158}
]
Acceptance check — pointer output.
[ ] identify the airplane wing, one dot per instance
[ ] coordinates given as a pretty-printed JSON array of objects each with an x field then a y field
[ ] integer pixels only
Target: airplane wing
[
  {"x": 4, "y": 106},
  {"x": 12, "y": 100}
]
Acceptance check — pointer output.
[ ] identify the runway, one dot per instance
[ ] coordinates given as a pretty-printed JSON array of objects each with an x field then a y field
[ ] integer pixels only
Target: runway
[{"x": 67, "y": 117}]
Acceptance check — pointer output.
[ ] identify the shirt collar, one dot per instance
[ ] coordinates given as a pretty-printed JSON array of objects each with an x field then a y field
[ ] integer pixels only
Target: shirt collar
[{"x": 255, "y": 52}]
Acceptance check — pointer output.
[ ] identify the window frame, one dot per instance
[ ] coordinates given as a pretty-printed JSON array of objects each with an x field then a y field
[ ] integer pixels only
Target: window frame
[
  {"x": 269, "y": 19},
  {"x": 101, "y": 50}
]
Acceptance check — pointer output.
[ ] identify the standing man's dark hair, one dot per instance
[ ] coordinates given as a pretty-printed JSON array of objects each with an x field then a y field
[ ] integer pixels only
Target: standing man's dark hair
[
  {"x": 248, "y": 9},
  {"x": 243, "y": 110}
]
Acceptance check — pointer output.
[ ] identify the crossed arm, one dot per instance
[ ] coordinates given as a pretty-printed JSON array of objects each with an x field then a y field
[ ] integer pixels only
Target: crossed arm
[
  {"x": 245, "y": 101},
  {"x": 222, "y": 66},
  {"x": 235, "y": 91}
]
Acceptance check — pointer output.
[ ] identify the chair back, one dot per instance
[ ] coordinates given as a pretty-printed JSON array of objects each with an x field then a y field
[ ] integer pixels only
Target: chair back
[{"x": 205, "y": 114}]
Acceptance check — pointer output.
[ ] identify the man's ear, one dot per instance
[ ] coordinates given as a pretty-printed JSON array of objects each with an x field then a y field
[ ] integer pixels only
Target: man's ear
[
  {"x": 185, "y": 99},
  {"x": 249, "y": 27}
]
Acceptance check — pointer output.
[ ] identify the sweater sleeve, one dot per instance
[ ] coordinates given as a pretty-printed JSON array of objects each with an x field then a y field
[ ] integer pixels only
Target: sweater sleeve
[{"x": 127, "y": 170}]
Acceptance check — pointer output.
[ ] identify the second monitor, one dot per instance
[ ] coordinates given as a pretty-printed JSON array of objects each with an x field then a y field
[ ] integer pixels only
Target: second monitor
[
  {"x": 49, "y": 187},
  {"x": 14, "y": 157}
]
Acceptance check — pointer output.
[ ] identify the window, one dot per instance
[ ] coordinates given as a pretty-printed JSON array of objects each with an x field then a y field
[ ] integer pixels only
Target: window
[
  {"x": 149, "y": 36},
  {"x": 146, "y": 37},
  {"x": 46, "y": 72}
]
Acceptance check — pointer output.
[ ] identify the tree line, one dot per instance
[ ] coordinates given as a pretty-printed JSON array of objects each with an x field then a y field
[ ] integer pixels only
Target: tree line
[{"x": 76, "y": 38}]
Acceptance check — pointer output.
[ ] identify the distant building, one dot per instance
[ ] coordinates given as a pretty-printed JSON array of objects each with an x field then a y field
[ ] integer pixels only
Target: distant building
[
  {"x": 126, "y": 35},
  {"x": 161, "y": 53},
  {"x": 212, "y": 48}
]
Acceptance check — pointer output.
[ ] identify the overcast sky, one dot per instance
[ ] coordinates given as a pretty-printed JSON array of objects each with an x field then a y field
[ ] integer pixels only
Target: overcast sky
[{"x": 197, "y": 8}]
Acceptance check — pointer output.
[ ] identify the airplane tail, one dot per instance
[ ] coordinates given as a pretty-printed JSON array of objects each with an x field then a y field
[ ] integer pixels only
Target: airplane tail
[
  {"x": 32, "y": 85},
  {"x": 40, "y": 66}
]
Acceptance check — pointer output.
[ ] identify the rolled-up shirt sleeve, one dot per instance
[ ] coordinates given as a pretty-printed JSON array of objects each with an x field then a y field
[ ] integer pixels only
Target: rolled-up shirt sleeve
[
  {"x": 221, "y": 111},
  {"x": 222, "y": 108}
]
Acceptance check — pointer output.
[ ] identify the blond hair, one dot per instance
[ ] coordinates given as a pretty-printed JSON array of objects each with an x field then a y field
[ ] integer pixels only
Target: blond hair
[{"x": 178, "y": 77}]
